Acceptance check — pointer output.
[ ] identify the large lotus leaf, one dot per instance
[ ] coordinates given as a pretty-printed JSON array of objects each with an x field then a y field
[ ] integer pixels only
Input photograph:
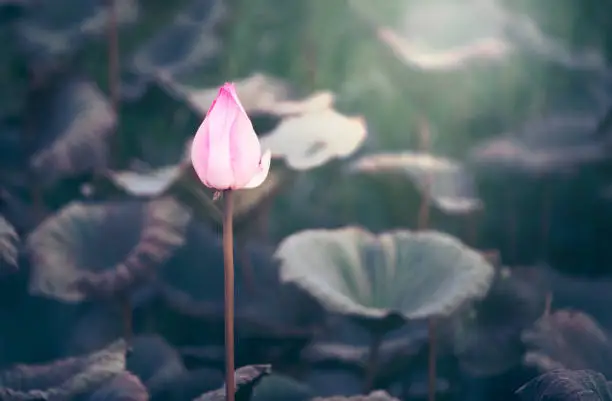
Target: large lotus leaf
[
  {"x": 442, "y": 35},
  {"x": 64, "y": 379},
  {"x": 487, "y": 336},
  {"x": 9, "y": 248},
  {"x": 192, "y": 286},
  {"x": 246, "y": 379},
  {"x": 54, "y": 29},
  {"x": 100, "y": 249},
  {"x": 567, "y": 385},
  {"x": 570, "y": 340},
  {"x": 123, "y": 387},
  {"x": 72, "y": 124},
  {"x": 558, "y": 143},
  {"x": 401, "y": 274},
  {"x": 444, "y": 181},
  {"x": 312, "y": 139},
  {"x": 187, "y": 44}
]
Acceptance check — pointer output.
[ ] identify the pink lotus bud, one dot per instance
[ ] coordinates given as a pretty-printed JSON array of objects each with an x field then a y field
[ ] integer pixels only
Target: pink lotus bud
[{"x": 225, "y": 152}]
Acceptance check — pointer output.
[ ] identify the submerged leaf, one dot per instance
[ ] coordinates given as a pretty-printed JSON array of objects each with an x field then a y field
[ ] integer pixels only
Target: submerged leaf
[
  {"x": 58, "y": 28},
  {"x": 64, "y": 379},
  {"x": 567, "y": 385},
  {"x": 99, "y": 250},
  {"x": 569, "y": 340},
  {"x": 385, "y": 279},
  {"x": 9, "y": 243},
  {"x": 444, "y": 181},
  {"x": 72, "y": 123},
  {"x": 312, "y": 139},
  {"x": 246, "y": 378}
]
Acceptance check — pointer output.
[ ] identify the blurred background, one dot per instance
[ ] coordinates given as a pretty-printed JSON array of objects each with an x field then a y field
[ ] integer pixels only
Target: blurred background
[{"x": 489, "y": 120}]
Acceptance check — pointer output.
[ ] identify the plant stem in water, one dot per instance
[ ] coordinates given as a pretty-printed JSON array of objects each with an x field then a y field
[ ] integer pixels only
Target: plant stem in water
[{"x": 228, "y": 263}]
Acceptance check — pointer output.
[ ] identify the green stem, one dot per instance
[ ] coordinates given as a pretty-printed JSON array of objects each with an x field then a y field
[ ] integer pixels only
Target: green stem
[{"x": 228, "y": 263}]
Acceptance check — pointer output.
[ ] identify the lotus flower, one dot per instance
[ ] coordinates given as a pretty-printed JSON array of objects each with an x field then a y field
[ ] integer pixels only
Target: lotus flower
[{"x": 225, "y": 152}]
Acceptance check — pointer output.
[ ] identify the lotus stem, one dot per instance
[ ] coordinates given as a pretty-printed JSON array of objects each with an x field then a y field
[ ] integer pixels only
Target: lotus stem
[
  {"x": 228, "y": 264},
  {"x": 372, "y": 366}
]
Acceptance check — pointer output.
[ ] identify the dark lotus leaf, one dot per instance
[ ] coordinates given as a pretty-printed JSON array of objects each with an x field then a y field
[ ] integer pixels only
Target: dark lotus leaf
[
  {"x": 189, "y": 385},
  {"x": 567, "y": 385},
  {"x": 55, "y": 29},
  {"x": 73, "y": 122},
  {"x": 277, "y": 387},
  {"x": 387, "y": 279},
  {"x": 155, "y": 362},
  {"x": 247, "y": 378},
  {"x": 483, "y": 31},
  {"x": 101, "y": 249},
  {"x": 559, "y": 143},
  {"x": 9, "y": 248},
  {"x": 444, "y": 181},
  {"x": 64, "y": 379},
  {"x": 488, "y": 334},
  {"x": 187, "y": 44},
  {"x": 192, "y": 286},
  {"x": 570, "y": 340},
  {"x": 373, "y": 396},
  {"x": 123, "y": 387}
]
